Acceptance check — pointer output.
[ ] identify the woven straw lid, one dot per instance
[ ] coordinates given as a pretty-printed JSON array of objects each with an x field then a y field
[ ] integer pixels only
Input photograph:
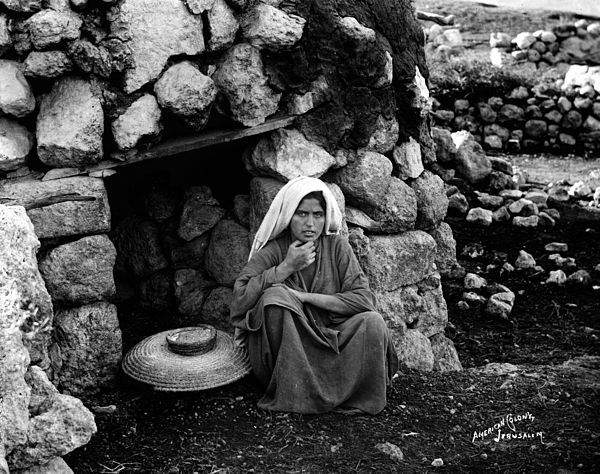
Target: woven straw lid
[{"x": 187, "y": 360}]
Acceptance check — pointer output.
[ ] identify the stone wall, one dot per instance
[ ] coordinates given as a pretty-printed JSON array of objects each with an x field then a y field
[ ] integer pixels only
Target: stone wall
[
  {"x": 84, "y": 83},
  {"x": 561, "y": 116}
]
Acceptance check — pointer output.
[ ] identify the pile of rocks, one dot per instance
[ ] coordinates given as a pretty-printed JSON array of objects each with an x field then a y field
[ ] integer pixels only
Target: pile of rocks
[
  {"x": 38, "y": 425},
  {"x": 576, "y": 43},
  {"x": 445, "y": 41},
  {"x": 561, "y": 116},
  {"x": 496, "y": 300}
]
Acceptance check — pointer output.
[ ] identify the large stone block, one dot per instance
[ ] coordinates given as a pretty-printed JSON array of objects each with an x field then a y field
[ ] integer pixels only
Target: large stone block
[
  {"x": 393, "y": 261},
  {"x": 414, "y": 351},
  {"x": 222, "y": 26},
  {"x": 420, "y": 306},
  {"x": 51, "y": 27},
  {"x": 407, "y": 157},
  {"x": 81, "y": 205},
  {"x": 445, "y": 257},
  {"x": 268, "y": 27},
  {"x": 187, "y": 93},
  {"x": 432, "y": 202},
  {"x": 80, "y": 272},
  {"x": 242, "y": 81},
  {"x": 70, "y": 124},
  {"x": 16, "y": 143},
  {"x": 286, "y": 154},
  {"x": 385, "y": 135},
  {"x": 444, "y": 354},
  {"x": 90, "y": 346},
  {"x": 19, "y": 275},
  {"x": 201, "y": 212},
  {"x": 154, "y": 31},
  {"x": 228, "y": 251},
  {"x": 139, "y": 250},
  {"x": 140, "y": 122},
  {"x": 16, "y": 97}
]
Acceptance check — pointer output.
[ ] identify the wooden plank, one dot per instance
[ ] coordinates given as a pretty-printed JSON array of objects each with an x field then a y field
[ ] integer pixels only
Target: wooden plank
[{"x": 174, "y": 146}]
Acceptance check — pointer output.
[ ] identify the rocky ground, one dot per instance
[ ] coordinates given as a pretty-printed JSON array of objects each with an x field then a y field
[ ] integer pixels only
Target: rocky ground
[{"x": 549, "y": 397}]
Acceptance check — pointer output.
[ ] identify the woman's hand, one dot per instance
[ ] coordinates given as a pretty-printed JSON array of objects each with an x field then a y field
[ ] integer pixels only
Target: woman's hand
[
  {"x": 298, "y": 294},
  {"x": 299, "y": 256}
]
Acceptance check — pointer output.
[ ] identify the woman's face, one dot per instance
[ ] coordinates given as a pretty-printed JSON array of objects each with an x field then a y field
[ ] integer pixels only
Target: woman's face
[{"x": 308, "y": 221}]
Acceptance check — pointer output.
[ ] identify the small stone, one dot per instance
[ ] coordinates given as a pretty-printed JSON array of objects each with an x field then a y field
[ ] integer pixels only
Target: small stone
[
  {"x": 438, "y": 462},
  {"x": 539, "y": 198},
  {"x": 545, "y": 220},
  {"x": 463, "y": 306},
  {"x": 557, "y": 277},
  {"x": 511, "y": 194},
  {"x": 580, "y": 278},
  {"x": 556, "y": 247},
  {"x": 530, "y": 221},
  {"x": 500, "y": 304},
  {"x": 480, "y": 216},
  {"x": 473, "y": 281},
  {"x": 489, "y": 201},
  {"x": 458, "y": 204},
  {"x": 525, "y": 260},
  {"x": 473, "y": 299},
  {"x": 508, "y": 268},
  {"x": 501, "y": 215},
  {"x": 580, "y": 190},
  {"x": 393, "y": 451},
  {"x": 141, "y": 121},
  {"x": 554, "y": 213},
  {"x": 524, "y": 40}
]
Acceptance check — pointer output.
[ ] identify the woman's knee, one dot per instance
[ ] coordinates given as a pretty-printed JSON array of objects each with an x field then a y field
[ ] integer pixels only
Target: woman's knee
[{"x": 373, "y": 322}]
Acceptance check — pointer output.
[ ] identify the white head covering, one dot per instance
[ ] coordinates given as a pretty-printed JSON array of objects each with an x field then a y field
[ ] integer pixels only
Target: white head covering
[{"x": 284, "y": 205}]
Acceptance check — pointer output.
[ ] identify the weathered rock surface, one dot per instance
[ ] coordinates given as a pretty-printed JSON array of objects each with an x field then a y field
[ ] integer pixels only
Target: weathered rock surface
[
  {"x": 414, "y": 351},
  {"x": 432, "y": 202},
  {"x": 394, "y": 261},
  {"x": 50, "y": 27},
  {"x": 16, "y": 97},
  {"x": 54, "y": 466},
  {"x": 215, "y": 310},
  {"x": 242, "y": 81},
  {"x": 24, "y": 6},
  {"x": 187, "y": 93},
  {"x": 70, "y": 124},
  {"x": 500, "y": 304},
  {"x": 156, "y": 292},
  {"x": 471, "y": 162},
  {"x": 140, "y": 122},
  {"x": 268, "y": 27},
  {"x": 201, "y": 211},
  {"x": 5, "y": 39},
  {"x": 445, "y": 257},
  {"x": 69, "y": 216},
  {"x": 191, "y": 288},
  {"x": 47, "y": 64},
  {"x": 139, "y": 252},
  {"x": 445, "y": 148},
  {"x": 444, "y": 354},
  {"x": 286, "y": 154},
  {"x": 228, "y": 251},
  {"x": 222, "y": 26},
  {"x": 385, "y": 135},
  {"x": 407, "y": 157},
  {"x": 153, "y": 31},
  {"x": 80, "y": 272},
  {"x": 480, "y": 216},
  {"x": 190, "y": 254},
  {"x": 15, "y": 144},
  {"x": 90, "y": 345}
]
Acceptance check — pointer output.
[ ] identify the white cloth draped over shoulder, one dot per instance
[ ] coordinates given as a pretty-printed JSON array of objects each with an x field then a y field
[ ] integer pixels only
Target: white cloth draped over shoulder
[{"x": 284, "y": 205}]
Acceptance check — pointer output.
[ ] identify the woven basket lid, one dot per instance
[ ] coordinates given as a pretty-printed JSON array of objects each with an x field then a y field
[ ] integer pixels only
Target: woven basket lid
[{"x": 187, "y": 359}]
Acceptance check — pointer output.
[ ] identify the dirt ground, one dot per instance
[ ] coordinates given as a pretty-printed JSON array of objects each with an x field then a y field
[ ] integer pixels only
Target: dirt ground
[{"x": 553, "y": 407}]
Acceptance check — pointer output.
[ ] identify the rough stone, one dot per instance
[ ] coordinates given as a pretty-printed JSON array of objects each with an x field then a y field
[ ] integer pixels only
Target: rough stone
[
  {"x": 445, "y": 357},
  {"x": 385, "y": 135},
  {"x": 524, "y": 40},
  {"x": 511, "y": 115},
  {"x": 267, "y": 27},
  {"x": 47, "y": 64},
  {"x": 488, "y": 201},
  {"x": 139, "y": 123},
  {"x": 16, "y": 97},
  {"x": 191, "y": 289},
  {"x": 50, "y": 27},
  {"x": 155, "y": 292},
  {"x": 591, "y": 124},
  {"x": 580, "y": 278},
  {"x": 493, "y": 142},
  {"x": 445, "y": 257},
  {"x": 445, "y": 147},
  {"x": 215, "y": 309},
  {"x": 536, "y": 128},
  {"x": 501, "y": 215},
  {"x": 391, "y": 450},
  {"x": 154, "y": 31},
  {"x": 56, "y": 465},
  {"x": 480, "y": 216},
  {"x": 65, "y": 218},
  {"x": 286, "y": 154},
  {"x": 199, "y": 6},
  {"x": 80, "y": 272},
  {"x": 473, "y": 281},
  {"x": 16, "y": 143},
  {"x": 529, "y": 221},
  {"x": 187, "y": 93},
  {"x": 89, "y": 339},
  {"x": 564, "y": 104},
  {"x": 242, "y": 80},
  {"x": 191, "y": 254},
  {"x": 499, "y": 40},
  {"x": 458, "y": 204},
  {"x": 414, "y": 351},
  {"x": 19, "y": 276},
  {"x": 557, "y": 277},
  {"x": 201, "y": 212},
  {"x": 525, "y": 260},
  {"x": 545, "y": 220},
  {"x": 222, "y": 26},
  {"x": 407, "y": 157},
  {"x": 572, "y": 120},
  {"x": 471, "y": 162},
  {"x": 393, "y": 261},
  {"x": 5, "y": 36},
  {"x": 432, "y": 202},
  {"x": 500, "y": 304},
  {"x": 228, "y": 252},
  {"x": 70, "y": 125}
]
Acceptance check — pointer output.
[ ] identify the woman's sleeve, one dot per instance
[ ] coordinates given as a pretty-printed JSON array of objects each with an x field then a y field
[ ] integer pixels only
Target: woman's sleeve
[
  {"x": 354, "y": 286},
  {"x": 258, "y": 275}
]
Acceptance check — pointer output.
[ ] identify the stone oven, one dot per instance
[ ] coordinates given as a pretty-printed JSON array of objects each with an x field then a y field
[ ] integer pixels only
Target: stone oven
[{"x": 145, "y": 140}]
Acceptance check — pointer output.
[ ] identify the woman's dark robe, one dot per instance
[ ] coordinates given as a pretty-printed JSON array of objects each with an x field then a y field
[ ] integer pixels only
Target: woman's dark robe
[{"x": 324, "y": 361}]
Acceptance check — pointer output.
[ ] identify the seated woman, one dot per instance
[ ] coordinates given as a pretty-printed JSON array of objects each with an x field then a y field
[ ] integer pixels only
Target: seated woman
[{"x": 305, "y": 312}]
